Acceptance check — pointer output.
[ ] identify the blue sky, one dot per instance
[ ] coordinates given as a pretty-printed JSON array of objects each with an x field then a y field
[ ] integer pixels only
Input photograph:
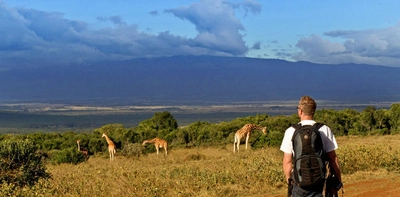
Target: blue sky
[{"x": 37, "y": 32}]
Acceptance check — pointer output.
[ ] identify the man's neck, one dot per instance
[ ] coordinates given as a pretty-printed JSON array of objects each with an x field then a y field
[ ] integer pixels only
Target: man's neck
[{"x": 306, "y": 118}]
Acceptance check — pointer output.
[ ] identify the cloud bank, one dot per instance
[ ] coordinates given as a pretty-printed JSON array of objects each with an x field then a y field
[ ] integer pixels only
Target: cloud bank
[
  {"x": 32, "y": 38},
  {"x": 373, "y": 46},
  {"x": 35, "y": 38}
]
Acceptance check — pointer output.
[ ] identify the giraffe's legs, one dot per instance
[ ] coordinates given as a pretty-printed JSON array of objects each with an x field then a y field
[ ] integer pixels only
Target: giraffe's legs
[
  {"x": 237, "y": 144},
  {"x": 157, "y": 149},
  {"x": 111, "y": 151},
  {"x": 166, "y": 152},
  {"x": 247, "y": 140},
  {"x": 234, "y": 145}
]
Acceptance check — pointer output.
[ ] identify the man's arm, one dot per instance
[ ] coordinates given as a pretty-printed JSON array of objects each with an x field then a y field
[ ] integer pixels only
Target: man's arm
[
  {"x": 287, "y": 165},
  {"x": 334, "y": 164}
]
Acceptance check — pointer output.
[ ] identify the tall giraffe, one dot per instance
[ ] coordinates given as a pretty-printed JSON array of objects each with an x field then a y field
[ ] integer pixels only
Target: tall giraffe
[
  {"x": 84, "y": 152},
  {"x": 158, "y": 143},
  {"x": 245, "y": 131},
  {"x": 111, "y": 147}
]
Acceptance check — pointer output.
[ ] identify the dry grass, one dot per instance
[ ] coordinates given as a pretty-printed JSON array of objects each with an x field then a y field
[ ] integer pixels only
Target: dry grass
[{"x": 205, "y": 171}]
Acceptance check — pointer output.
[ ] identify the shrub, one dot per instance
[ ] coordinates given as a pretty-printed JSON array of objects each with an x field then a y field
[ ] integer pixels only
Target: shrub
[
  {"x": 70, "y": 155},
  {"x": 133, "y": 150},
  {"x": 20, "y": 163}
]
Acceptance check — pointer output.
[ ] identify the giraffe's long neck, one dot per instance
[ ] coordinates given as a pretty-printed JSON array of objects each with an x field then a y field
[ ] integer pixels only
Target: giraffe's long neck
[
  {"x": 109, "y": 141},
  {"x": 263, "y": 129},
  {"x": 79, "y": 147},
  {"x": 257, "y": 127},
  {"x": 149, "y": 141}
]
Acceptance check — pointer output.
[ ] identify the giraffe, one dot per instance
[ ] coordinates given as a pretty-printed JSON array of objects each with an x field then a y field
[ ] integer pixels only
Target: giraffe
[
  {"x": 245, "y": 131},
  {"x": 84, "y": 152},
  {"x": 158, "y": 143},
  {"x": 111, "y": 147}
]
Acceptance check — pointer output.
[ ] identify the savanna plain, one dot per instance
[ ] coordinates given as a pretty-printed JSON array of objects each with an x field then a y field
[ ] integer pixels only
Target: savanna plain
[{"x": 370, "y": 167}]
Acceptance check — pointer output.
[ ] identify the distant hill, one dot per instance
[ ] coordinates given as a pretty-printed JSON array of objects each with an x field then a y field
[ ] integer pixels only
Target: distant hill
[{"x": 200, "y": 79}]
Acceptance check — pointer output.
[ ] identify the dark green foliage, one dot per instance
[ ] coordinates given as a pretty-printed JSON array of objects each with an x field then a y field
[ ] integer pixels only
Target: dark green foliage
[
  {"x": 133, "y": 150},
  {"x": 70, "y": 155},
  {"x": 274, "y": 138},
  {"x": 160, "y": 121},
  {"x": 367, "y": 120},
  {"x": 97, "y": 145},
  {"x": 348, "y": 117},
  {"x": 260, "y": 142},
  {"x": 381, "y": 117},
  {"x": 20, "y": 163},
  {"x": 115, "y": 132},
  {"x": 394, "y": 117}
]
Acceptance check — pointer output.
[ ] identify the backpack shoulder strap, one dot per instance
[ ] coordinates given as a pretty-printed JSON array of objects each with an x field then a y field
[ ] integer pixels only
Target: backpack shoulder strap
[
  {"x": 318, "y": 125},
  {"x": 296, "y": 126}
]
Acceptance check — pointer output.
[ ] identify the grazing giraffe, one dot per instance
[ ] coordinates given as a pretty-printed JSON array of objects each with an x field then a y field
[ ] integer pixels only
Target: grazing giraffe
[
  {"x": 84, "y": 152},
  {"x": 158, "y": 143},
  {"x": 245, "y": 131},
  {"x": 111, "y": 147}
]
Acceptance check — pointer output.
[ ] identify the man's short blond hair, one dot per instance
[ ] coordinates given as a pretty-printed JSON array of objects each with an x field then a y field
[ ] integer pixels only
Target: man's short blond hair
[{"x": 307, "y": 105}]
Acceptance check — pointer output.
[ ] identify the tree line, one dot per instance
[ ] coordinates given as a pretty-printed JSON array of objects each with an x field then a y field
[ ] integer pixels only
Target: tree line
[{"x": 370, "y": 121}]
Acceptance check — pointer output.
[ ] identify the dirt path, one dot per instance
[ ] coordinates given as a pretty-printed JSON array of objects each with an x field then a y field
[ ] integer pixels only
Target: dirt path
[
  {"x": 374, "y": 184},
  {"x": 389, "y": 186}
]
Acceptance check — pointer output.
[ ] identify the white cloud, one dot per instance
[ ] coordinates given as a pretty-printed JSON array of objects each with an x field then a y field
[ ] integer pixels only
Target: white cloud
[
  {"x": 35, "y": 38},
  {"x": 373, "y": 46},
  {"x": 218, "y": 28}
]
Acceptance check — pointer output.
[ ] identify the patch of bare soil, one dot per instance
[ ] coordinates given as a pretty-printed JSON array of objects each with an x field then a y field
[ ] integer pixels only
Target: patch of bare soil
[
  {"x": 363, "y": 184},
  {"x": 378, "y": 186}
]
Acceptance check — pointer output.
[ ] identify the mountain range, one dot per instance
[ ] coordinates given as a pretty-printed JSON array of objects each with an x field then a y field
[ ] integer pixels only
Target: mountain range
[{"x": 200, "y": 79}]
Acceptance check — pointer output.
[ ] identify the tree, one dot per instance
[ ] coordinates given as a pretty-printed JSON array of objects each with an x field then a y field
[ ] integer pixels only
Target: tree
[
  {"x": 367, "y": 118},
  {"x": 160, "y": 125},
  {"x": 164, "y": 120},
  {"x": 381, "y": 118},
  {"x": 347, "y": 118},
  {"x": 394, "y": 116},
  {"x": 332, "y": 119}
]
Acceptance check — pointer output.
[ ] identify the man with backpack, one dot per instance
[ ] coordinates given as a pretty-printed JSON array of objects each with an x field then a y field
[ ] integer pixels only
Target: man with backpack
[{"x": 309, "y": 155}]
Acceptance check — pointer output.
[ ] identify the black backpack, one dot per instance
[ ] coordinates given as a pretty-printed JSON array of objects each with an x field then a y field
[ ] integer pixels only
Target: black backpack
[{"x": 309, "y": 159}]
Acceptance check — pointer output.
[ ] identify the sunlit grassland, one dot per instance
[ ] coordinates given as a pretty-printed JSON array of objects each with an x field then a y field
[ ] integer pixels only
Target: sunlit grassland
[{"x": 214, "y": 171}]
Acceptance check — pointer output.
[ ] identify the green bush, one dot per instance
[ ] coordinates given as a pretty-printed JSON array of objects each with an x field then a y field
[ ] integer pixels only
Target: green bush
[
  {"x": 20, "y": 163},
  {"x": 133, "y": 150},
  {"x": 70, "y": 155},
  {"x": 274, "y": 138}
]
